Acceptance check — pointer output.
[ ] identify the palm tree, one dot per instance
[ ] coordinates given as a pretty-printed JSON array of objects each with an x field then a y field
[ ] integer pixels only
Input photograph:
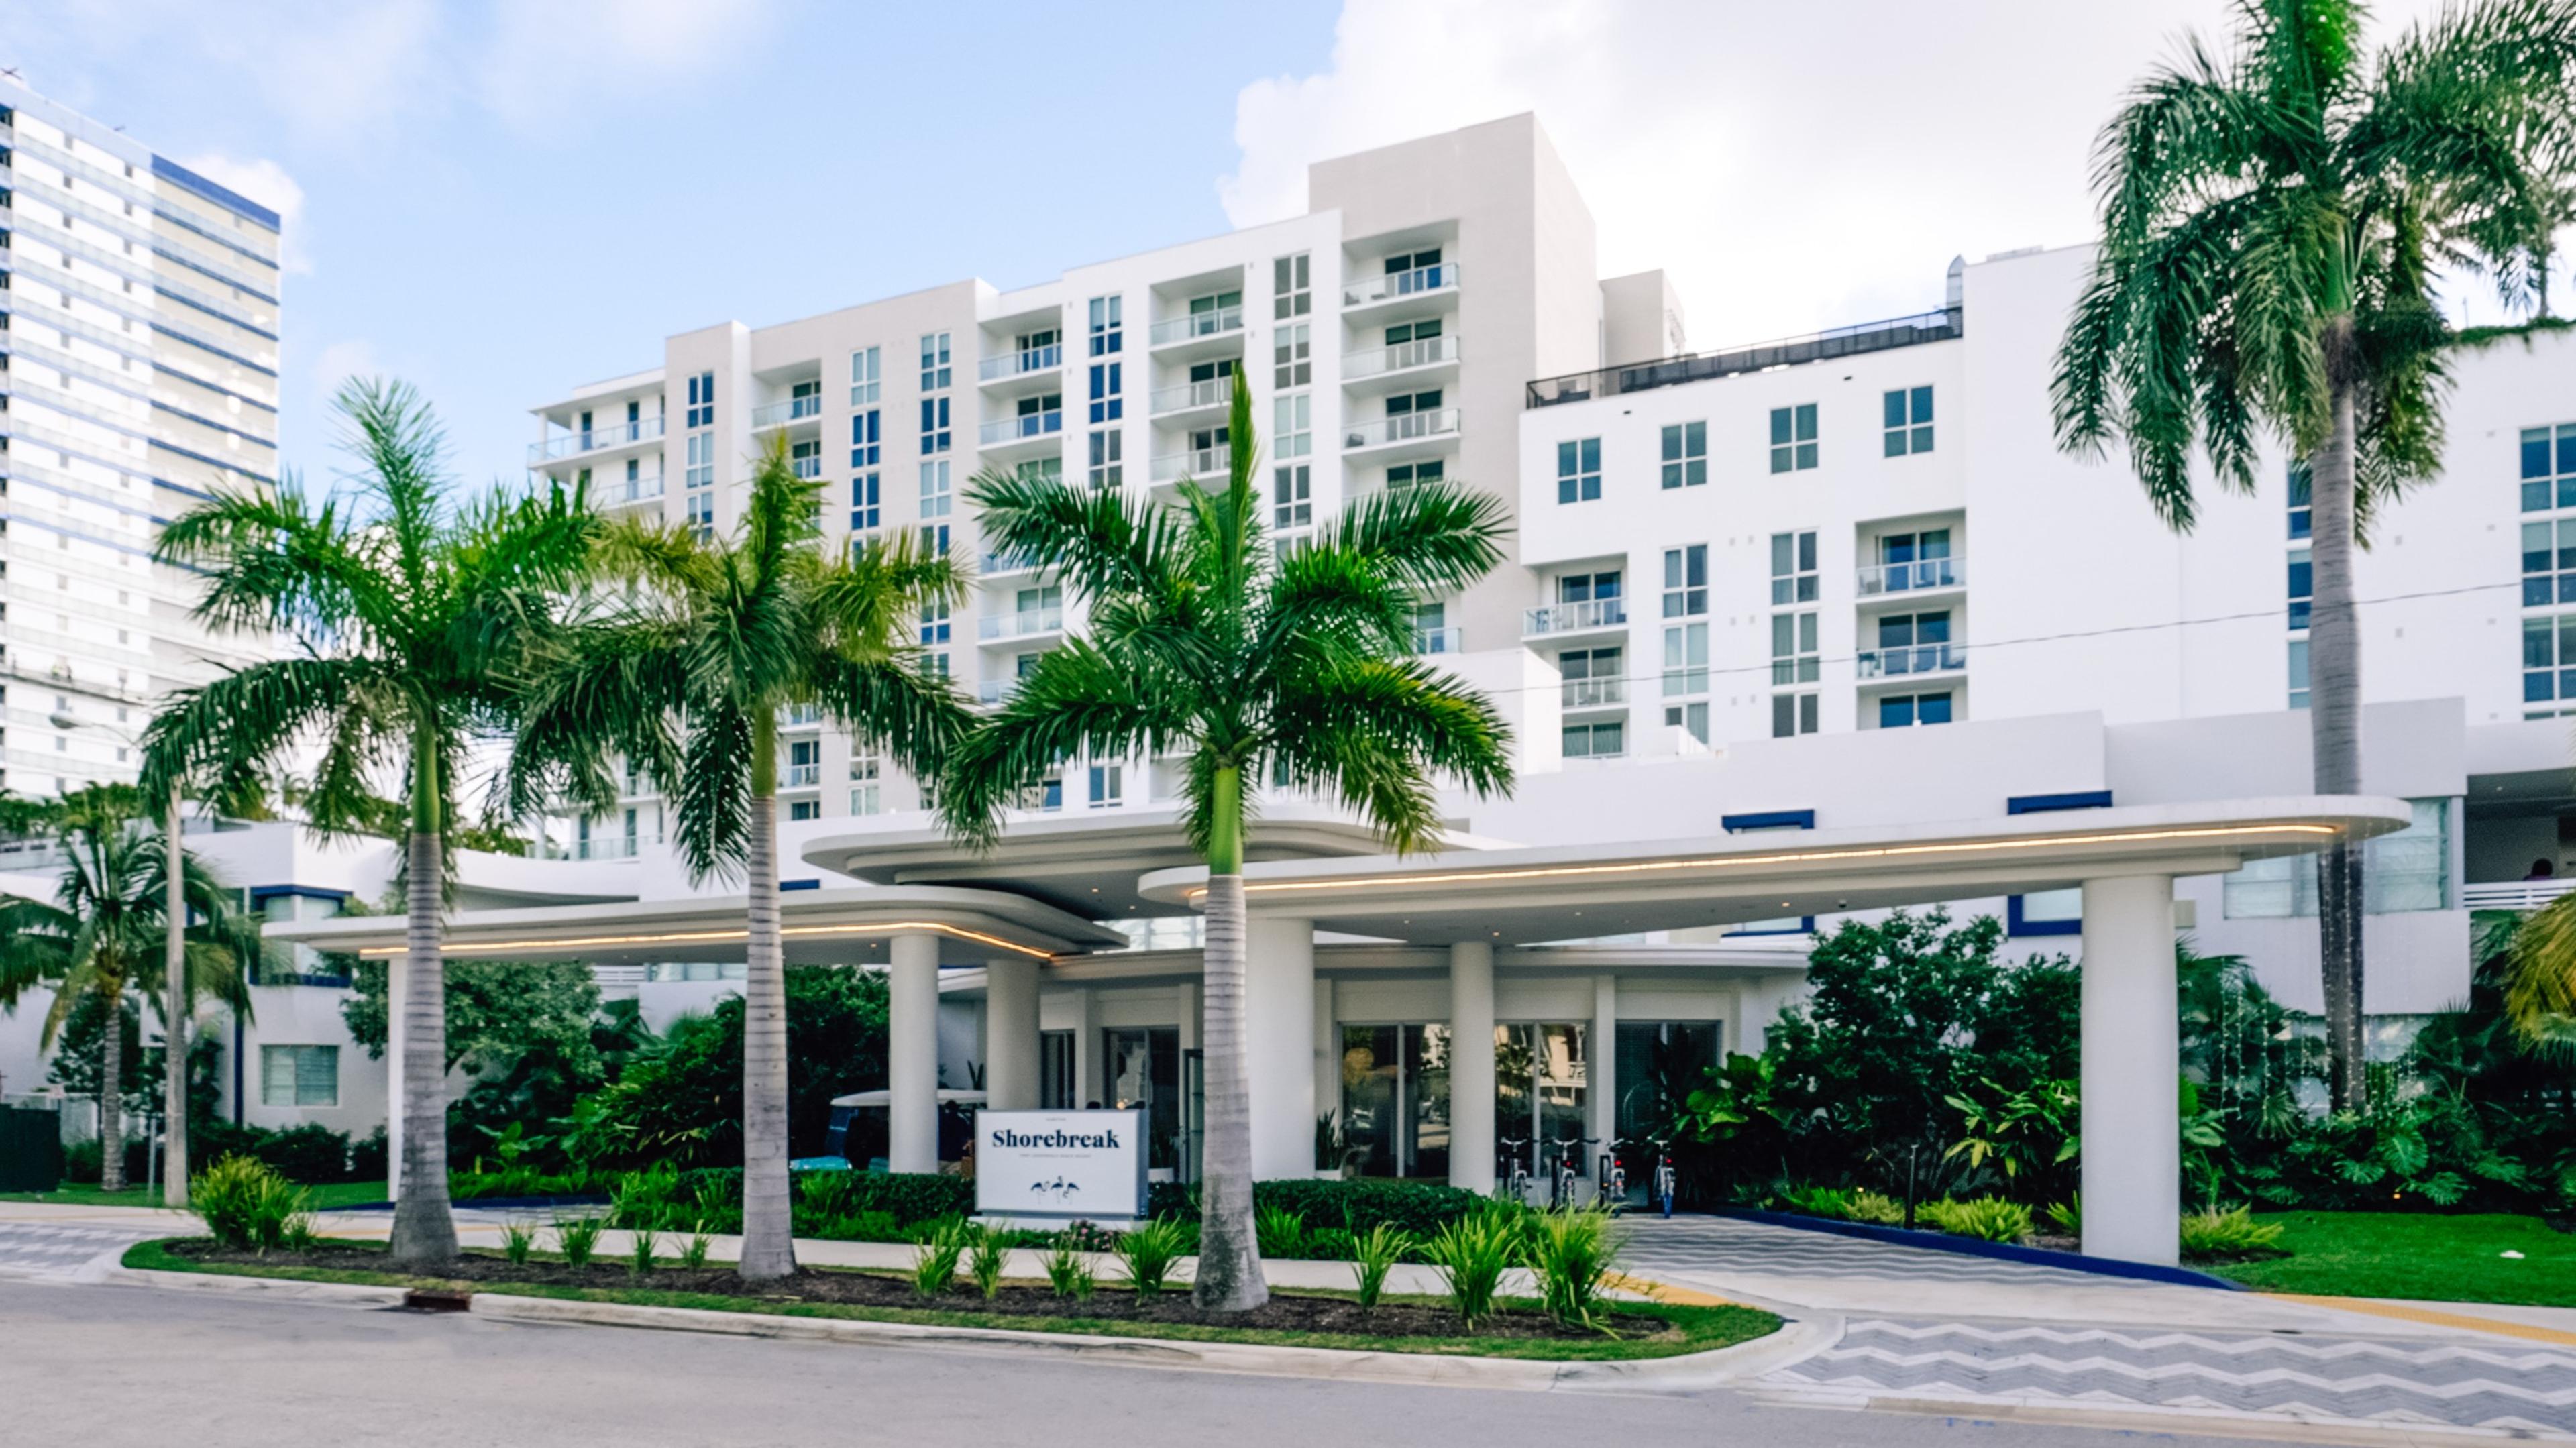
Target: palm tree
[
  {"x": 1295, "y": 665},
  {"x": 684, "y": 676},
  {"x": 411, "y": 618},
  {"x": 104, "y": 934},
  {"x": 2271, "y": 220}
]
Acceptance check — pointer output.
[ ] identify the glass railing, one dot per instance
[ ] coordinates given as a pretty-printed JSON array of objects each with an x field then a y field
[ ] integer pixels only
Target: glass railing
[
  {"x": 1437, "y": 640},
  {"x": 801, "y": 776},
  {"x": 1595, "y": 693},
  {"x": 604, "y": 847},
  {"x": 1422, "y": 279},
  {"x": 809, "y": 466},
  {"x": 1913, "y": 659},
  {"x": 1196, "y": 463},
  {"x": 994, "y": 565},
  {"x": 1012, "y": 429},
  {"x": 1214, "y": 392},
  {"x": 1440, "y": 422},
  {"x": 1020, "y": 625},
  {"x": 1557, "y": 618},
  {"x": 1402, "y": 357},
  {"x": 630, "y": 490},
  {"x": 994, "y": 693},
  {"x": 1020, "y": 363},
  {"x": 1215, "y": 323},
  {"x": 771, "y": 414},
  {"x": 615, "y": 434},
  {"x": 800, "y": 716},
  {"x": 1920, "y": 573}
]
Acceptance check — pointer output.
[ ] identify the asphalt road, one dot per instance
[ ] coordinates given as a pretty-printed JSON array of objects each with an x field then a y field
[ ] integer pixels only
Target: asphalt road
[{"x": 109, "y": 1366}]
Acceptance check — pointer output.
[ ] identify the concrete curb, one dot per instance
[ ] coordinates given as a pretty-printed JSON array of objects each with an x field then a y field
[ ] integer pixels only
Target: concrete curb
[{"x": 329, "y": 1294}]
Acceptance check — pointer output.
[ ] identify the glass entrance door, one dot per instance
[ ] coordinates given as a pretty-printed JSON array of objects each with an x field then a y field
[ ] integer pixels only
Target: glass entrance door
[
  {"x": 1395, "y": 1099},
  {"x": 1144, "y": 1070},
  {"x": 1540, "y": 1075}
]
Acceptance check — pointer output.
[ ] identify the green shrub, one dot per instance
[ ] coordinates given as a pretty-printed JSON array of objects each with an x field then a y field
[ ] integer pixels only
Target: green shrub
[
  {"x": 518, "y": 1241},
  {"x": 1376, "y": 1252},
  {"x": 1833, "y": 1203},
  {"x": 1472, "y": 1254},
  {"x": 1282, "y": 1232},
  {"x": 1150, "y": 1251},
  {"x": 934, "y": 1261},
  {"x": 2068, "y": 1216},
  {"x": 1573, "y": 1250},
  {"x": 577, "y": 1237},
  {"x": 1991, "y": 1218},
  {"x": 84, "y": 1162},
  {"x": 639, "y": 1252},
  {"x": 248, "y": 1207},
  {"x": 1877, "y": 1208},
  {"x": 712, "y": 1197},
  {"x": 1331, "y": 1244},
  {"x": 1070, "y": 1274},
  {"x": 694, "y": 1255},
  {"x": 2232, "y": 1233},
  {"x": 1415, "y": 1208},
  {"x": 984, "y": 1261}
]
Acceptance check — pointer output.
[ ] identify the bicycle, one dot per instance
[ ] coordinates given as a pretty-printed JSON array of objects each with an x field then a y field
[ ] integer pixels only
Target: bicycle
[
  {"x": 1513, "y": 1173},
  {"x": 1569, "y": 1153},
  {"x": 1664, "y": 1174},
  {"x": 1611, "y": 1182}
]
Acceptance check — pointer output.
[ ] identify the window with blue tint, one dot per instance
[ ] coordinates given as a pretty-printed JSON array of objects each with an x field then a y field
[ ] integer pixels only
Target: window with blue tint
[
  {"x": 2303, "y": 588},
  {"x": 2549, "y": 467},
  {"x": 1793, "y": 438},
  {"x": 1906, "y": 415},
  {"x": 2299, "y": 496},
  {"x": 2548, "y": 563},
  {"x": 935, "y": 371},
  {"x": 2549, "y": 659},
  {"x": 1108, "y": 330},
  {"x": 1902, "y": 710},
  {"x": 2298, "y": 673},
  {"x": 702, "y": 400},
  {"x": 867, "y": 438},
  {"x": 1578, "y": 470},
  {"x": 867, "y": 498},
  {"x": 1106, "y": 404},
  {"x": 1686, "y": 455},
  {"x": 934, "y": 424}
]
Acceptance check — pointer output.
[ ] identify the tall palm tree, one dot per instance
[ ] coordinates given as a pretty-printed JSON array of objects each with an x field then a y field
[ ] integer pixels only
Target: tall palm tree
[
  {"x": 684, "y": 675},
  {"x": 2271, "y": 221},
  {"x": 104, "y": 934},
  {"x": 1297, "y": 667},
  {"x": 412, "y": 616}
]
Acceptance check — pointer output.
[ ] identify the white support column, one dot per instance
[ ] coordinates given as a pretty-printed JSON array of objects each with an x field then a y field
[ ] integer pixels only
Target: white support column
[
  {"x": 1471, "y": 1066},
  {"x": 1185, "y": 1008},
  {"x": 397, "y": 975},
  {"x": 1328, "y": 1052},
  {"x": 912, "y": 1054},
  {"x": 1279, "y": 1046},
  {"x": 1011, "y": 1034},
  {"x": 1090, "y": 1072},
  {"x": 2132, "y": 1147},
  {"x": 1601, "y": 1065}
]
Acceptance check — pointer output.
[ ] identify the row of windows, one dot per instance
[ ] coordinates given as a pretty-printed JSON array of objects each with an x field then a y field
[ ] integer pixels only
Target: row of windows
[{"x": 1906, "y": 413}]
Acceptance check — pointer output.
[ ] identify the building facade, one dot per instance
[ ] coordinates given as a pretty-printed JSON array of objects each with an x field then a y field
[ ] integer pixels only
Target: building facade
[{"x": 138, "y": 374}]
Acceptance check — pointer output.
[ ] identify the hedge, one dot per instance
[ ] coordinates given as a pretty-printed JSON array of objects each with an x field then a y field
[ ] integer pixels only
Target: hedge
[
  {"x": 908, "y": 1197},
  {"x": 1418, "y": 1209}
]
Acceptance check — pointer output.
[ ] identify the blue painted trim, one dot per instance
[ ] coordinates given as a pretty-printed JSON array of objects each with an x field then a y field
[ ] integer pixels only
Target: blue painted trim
[
  {"x": 216, "y": 463},
  {"x": 203, "y": 346},
  {"x": 193, "y": 380},
  {"x": 259, "y": 893},
  {"x": 2000, "y": 1251},
  {"x": 800, "y": 884},
  {"x": 1806, "y": 926},
  {"x": 223, "y": 196},
  {"x": 2043, "y": 803},
  {"x": 2014, "y": 924},
  {"x": 1804, "y": 819}
]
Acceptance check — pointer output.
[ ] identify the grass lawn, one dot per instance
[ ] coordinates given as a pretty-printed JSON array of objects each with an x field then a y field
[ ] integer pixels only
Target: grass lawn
[
  {"x": 2417, "y": 1255},
  {"x": 336, "y": 1194},
  {"x": 1697, "y": 1329}
]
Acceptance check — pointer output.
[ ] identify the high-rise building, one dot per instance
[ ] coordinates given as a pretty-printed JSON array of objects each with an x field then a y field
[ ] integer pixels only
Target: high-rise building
[{"x": 138, "y": 373}]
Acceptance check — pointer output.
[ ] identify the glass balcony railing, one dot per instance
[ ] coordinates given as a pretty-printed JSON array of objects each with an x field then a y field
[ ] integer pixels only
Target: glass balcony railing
[
  {"x": 994, "y": 693},
  {"x": 579, "y": 441},
  {"x": 1214, "y": 392},
  {"x": 628, "y": 490},
  {"x": 808, "y": 466},
  {"x": 1213, "y": 323},
  {"x": 786, "y": 410},
  {"x": 1941, "y": 658},
  {"x": 995, "y": 565},
  {"x": 1595, "y": 693},
  {"x": 1021, "y": 625},
  {"x": 1020, "y": 363},
  {"x": 1914, "y": 576},
  {"x": 1025, "y": 425},
  {"x": 1407, "y": 427},
  {"x": 1561, "y": 618},
  {"x": 1402, "y": 357},
  {"x": 1437, "y": 640},
  {"x": 800, "y": 776},
  {"x": 800, "y": 716},
  {"x": 1198, "y": 462},
  {"x": 1422, "y": 280}
]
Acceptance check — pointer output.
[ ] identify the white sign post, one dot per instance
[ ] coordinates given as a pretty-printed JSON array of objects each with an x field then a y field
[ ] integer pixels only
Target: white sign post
[{"x": 1058, "y": 1166}]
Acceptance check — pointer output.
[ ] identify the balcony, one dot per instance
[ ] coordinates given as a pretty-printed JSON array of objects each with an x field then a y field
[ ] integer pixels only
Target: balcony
[
  {"x": 1438, "y": 641},
  {"x": 1923, "y": 575},
  {"x": 1206, "y": 333},
  {"x": 1028, "y": 431},
  {"x": 785, "y": 411},
  {"x": 1403, "y": 435},
  {"x": 1012, "y": 627},
  {"x": 2515, "y": 895},
  {"x": 1200, "y": 462},
  {"x": 1561, "y": 620},
  {"x": 994, "y": 693},
  {"x": 1214, "y": 395},
  {"x": 800, "y": 716},
  {"x": 1405, "y": 361},
  {"x": 1022, "y": 362},
  {"x": 1427, "y": 283},
  {"x": 1912, "y": 661},
  {"x": 1595, "y": 693},
  {"x": 801, "y": 776},
  {"x": 618, "y": 492},
  {"x": 1003, "y": 565},
  {"x": 806, "y": 465},
  {"x": 596, "y": 439}
]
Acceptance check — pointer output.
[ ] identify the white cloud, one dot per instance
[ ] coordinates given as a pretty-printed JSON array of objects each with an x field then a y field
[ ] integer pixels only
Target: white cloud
[
  {"x": 1791, "y": 166},
  {"x": 545, "y": 61},
  {"x": 266, "y": 182}
]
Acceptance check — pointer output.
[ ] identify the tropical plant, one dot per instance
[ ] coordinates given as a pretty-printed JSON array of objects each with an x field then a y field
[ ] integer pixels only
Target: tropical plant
[
  {"x": 1151, "y": 1251},
  {"x": 1280, "y": 1232},
  {"x": 2272, "y": 218},
  {"x": 1991, "y": 1218},
  {"x": 935, "y": 1257},
  {"x": 1572, "y": 1251},
  {"x": 1374, "y": 1253},
  {"x": 1293, "y": 665},
  {"x": 106, "y": 931},
  {"x": 2067, "y": 1216},
  {"x": 2230, "y": 1233},
  {"x": 694, "y": 1255},
  {"x": 684, "y": 673},
  {"x": 985, "y": 1259},
  {"x": 518, "y": 1241},
  {"x": 1472, "y": 1254},
  {"x": 577, "y": 1237},
  {"x": 640, "y": 1245},
  {"x": 248, "y": 1207},
  {"x": 412, "y": 619},
  {"x": 1069, "y": 1272},
  {"x": 2025, "y": 1135}
]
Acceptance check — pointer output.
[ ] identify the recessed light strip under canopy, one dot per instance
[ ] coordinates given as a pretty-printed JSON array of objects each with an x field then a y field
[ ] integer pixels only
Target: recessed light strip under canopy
[{"x": 711, "y": 937}]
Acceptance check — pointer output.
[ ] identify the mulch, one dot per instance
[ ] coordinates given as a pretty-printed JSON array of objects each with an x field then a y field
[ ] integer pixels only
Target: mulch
[{"x": 1113, "y": 1302}]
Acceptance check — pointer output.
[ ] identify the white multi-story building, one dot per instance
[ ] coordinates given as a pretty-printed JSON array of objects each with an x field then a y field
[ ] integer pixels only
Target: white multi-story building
[{"x": 138, "y": 373}]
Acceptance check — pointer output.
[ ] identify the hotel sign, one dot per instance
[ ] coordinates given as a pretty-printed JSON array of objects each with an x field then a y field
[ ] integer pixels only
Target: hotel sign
[{"x": 1064, "y": 1164}]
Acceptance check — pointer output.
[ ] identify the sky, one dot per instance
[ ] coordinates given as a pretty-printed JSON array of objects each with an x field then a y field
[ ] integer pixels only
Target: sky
[{"x": 500, "y": 199}]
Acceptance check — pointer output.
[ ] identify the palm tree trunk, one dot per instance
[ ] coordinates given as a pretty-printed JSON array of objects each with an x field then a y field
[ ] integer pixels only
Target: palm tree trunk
[
  {"x": 768, "y": 1220},
  {"x": 1229, "y": 1269},
  {"x": 111, "y": 1091},
  {"x": 174, "y": 1013},
  {"x": 424, "y": 1227},
  {"x": 2334, "y": 719}
]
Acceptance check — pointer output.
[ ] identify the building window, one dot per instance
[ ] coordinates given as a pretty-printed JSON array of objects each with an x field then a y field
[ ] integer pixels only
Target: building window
[
  {"x": 805, "y": 458},
  {"x": 935, "y": 624},
  {"x": 1108, "y": 449},
  {"x": 934, "y": 424},
  {"x": 867, "y": 497},
  {"x": 1578, "y": 470},
  {"x": 2303, "y": 588},
  {"x": 1405, "y": 475},
  {"x": 1431, "y": 631},
  {"x": 2549, "y": 660},
  {"x": 1907, "y": 416},
  {"x": 1292, "y": 423},
  {"x": 866, "y": 377},
  {"x": 1593, "y": 678},
  {"x": 2549, "y": 467},
  {"x": 1107, "y": 381},
  {"x": 1913, "y": 643},
  {"x": 1792, "y": 714},
  {"x": 867, "y": 438},
  {"x": 2407, "y": 871},
  {"x": 866, "y": 783},
  {"x": 2298, "y": 673},
  {"x": 1108, "y": 786},
  {"x": 1692, "y": 716},
  {"x": 936, "y": 498},
  {"x": 702, "y": 514},
  {"x": 1602, "y": 587},
  {"x": 1291, "y": 358},
  {"x": 1040, "y": 470},
  {"x": 1793, "y": 438},
  {"x": 2548, "y": 563},
  {"x": 1901, "y": 710},
  {"x": 1292, "y": 498},
  {"x": 701, "y": 460},
  {"x": 1793, "y": 568},
  {"x": 934, "y": 362},
  {"x": 1685, "y": 455},
  {"x": 1290, "y": 287},
  {"x": 1108, "y": 326},
  {"x": 804, "y": 809},
  {"x": 702, "y": 400},
  {"x": 1794, "y": 655},
  {"x": 299, "y": 1075},
  {"x": 2300, "y": 496},
  {"x": 1686, "y": 581},
  {"x": 1607, "y": 739},
  {"x": 1686, "y": 662}
]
